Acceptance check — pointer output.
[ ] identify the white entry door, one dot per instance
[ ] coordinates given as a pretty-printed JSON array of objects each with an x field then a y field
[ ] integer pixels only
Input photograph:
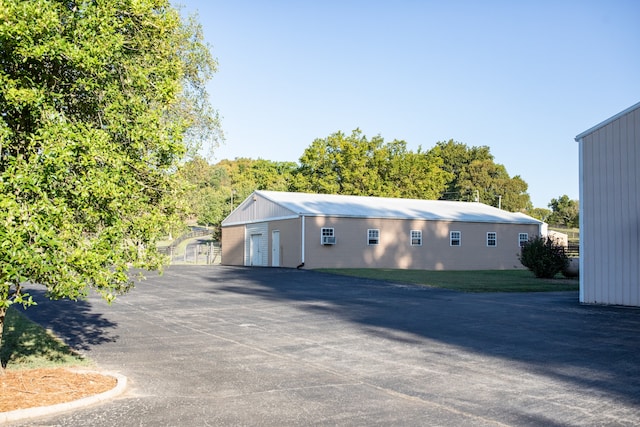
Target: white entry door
[
  {"x": 255, "y": 249},
  {"x": 275, "y": 248}
]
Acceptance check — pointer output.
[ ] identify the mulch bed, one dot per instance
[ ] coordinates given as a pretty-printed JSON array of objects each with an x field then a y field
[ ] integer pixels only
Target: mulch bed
[{"x": 22, "y": 389}]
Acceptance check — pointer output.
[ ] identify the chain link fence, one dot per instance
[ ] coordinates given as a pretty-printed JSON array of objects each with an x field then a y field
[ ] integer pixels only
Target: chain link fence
[
  {"x": 195, "y": 247},
  {"x": 200, "y": 252}
]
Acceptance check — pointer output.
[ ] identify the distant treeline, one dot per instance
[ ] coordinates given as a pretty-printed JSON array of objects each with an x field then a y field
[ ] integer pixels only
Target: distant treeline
[{"x": 356, "y": 165}]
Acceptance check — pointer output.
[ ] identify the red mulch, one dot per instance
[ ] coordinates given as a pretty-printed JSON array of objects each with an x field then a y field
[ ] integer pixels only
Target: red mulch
[{"x": 48, "y": 386}]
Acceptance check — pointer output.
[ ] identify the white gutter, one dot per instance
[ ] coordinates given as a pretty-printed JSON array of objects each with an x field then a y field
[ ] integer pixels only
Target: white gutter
[{"x": 302, "y": 242}]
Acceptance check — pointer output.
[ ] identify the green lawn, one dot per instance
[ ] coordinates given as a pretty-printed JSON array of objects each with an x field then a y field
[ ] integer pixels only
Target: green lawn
[
  {"x": 466, "y": 281},
  {"x": 27, "y": 345}
]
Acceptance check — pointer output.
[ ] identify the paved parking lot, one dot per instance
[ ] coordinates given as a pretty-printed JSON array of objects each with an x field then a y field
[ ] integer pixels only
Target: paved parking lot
[{"x": 227, "y": 346}]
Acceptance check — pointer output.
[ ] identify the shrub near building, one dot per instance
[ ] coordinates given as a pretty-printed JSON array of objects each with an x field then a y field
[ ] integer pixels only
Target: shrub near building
[{"x": 544, "y": 257}]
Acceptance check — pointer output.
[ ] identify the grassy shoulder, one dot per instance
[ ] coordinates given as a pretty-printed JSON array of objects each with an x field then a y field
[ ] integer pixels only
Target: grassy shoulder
[
  {"x": 465, "y": 281},
  {"x": 27, "y": 345}
]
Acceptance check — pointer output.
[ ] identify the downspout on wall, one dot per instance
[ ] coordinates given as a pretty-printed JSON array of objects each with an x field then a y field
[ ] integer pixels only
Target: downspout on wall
[{"x": 301, "y": 243}]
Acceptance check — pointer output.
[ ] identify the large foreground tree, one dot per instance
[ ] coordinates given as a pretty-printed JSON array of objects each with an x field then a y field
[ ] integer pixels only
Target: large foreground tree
[{"x": 97, "y": 101}]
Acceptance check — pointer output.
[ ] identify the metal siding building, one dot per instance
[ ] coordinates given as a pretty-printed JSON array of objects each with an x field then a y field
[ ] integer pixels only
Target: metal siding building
[
  {"x": 282, "y": 229},
  {"x": 610, "y": 210}
]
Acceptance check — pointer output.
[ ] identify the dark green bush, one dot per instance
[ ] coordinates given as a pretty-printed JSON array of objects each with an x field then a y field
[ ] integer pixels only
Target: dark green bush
[{"x": 544, "y": 257}]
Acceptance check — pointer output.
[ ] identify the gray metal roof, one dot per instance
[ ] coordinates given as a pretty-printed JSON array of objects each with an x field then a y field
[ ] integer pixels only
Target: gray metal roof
[{"x": 381, "y": 207}]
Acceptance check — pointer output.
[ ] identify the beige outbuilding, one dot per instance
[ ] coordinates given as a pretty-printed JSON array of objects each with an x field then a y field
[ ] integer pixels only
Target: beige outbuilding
[
  {"x": 610, "y": 210},
  {"x": 282, "y": 229}
]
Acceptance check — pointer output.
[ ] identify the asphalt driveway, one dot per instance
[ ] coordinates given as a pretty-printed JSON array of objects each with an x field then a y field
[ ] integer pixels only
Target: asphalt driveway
[{"x": 226, "y": 346}]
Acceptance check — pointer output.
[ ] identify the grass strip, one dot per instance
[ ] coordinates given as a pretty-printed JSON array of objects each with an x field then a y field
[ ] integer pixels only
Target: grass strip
[
  {"x": 27, "y": 345},
  {"x": 465, "y": 281}
]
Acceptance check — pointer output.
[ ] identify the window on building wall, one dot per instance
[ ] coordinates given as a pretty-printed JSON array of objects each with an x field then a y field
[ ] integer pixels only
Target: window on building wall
[
  {"x": 492, "y": 238},
  {"x": 373, "y": 236},
  {"x": 416, "y": 237},
  {"x": 455, "y": 238},
  {"x": 522, "y": 239},
  {"x": 327, "y": 236}
]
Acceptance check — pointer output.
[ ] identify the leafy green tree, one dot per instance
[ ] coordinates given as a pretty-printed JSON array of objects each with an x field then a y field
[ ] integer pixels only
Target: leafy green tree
[
  {"x": 475, "y": 176},
  {"x": 203, "y": 197},
  {"x": 355, "y": 165},
  {"x": 319, "y": 172},
  {"x": 456, "y": 159},
  {"x": 413, "y": 175},
  {"x": 99, "y": 101},
  {"x": 198, "y": 173},
  {"x": 214, "y": 190},
  {"x": 564, "y": 212},
  {"x": 242, "y": 176},
  {"x": 539, "y": 213},
  {"x": 271, "y": 175}
]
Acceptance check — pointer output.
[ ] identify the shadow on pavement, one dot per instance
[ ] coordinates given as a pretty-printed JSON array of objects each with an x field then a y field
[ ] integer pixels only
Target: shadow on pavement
[
  {"x": 551, "y": 333},
  {"x": 72, "y": 321}
]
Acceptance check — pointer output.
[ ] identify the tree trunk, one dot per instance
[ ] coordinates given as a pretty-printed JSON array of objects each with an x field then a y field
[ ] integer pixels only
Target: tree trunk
[{"x": 3, "y": 313}]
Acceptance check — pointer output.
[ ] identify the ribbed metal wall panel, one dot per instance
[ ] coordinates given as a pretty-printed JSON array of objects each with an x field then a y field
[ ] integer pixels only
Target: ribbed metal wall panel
[
  {"x": 255, "y": 209},
  {"x": 610, "y": 212}
]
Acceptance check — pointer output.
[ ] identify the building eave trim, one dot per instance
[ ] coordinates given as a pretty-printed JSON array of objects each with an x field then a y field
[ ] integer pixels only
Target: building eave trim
[
  {"x": 254, "y": 221},
  {"x": 404, "y": 218},
  {"x": 606, "y": 122}
]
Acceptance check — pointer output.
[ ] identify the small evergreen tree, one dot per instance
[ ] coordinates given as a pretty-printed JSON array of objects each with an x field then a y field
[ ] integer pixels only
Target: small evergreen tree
[{"x": 544, "y": 257}]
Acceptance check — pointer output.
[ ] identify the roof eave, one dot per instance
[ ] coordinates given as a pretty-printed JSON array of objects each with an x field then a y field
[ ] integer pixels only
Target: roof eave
[
  {"x": 606, "y": 122},
  {"x": 423, "y": 218}
]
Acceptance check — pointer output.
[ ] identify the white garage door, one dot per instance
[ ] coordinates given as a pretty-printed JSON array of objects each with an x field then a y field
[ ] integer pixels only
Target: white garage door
[{"x": 256, "y": 245}]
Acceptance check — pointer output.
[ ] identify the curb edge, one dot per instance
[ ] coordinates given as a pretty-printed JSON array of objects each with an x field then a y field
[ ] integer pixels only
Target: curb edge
[{"x": 39, "y": 411}]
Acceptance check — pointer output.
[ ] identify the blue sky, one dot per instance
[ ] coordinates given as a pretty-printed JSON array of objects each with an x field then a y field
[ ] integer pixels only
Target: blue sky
[{"x": 522, "y": 77}]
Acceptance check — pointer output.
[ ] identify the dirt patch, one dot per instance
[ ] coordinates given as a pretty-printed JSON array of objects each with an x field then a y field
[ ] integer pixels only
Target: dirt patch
[{"x": 43, "y": 387}]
